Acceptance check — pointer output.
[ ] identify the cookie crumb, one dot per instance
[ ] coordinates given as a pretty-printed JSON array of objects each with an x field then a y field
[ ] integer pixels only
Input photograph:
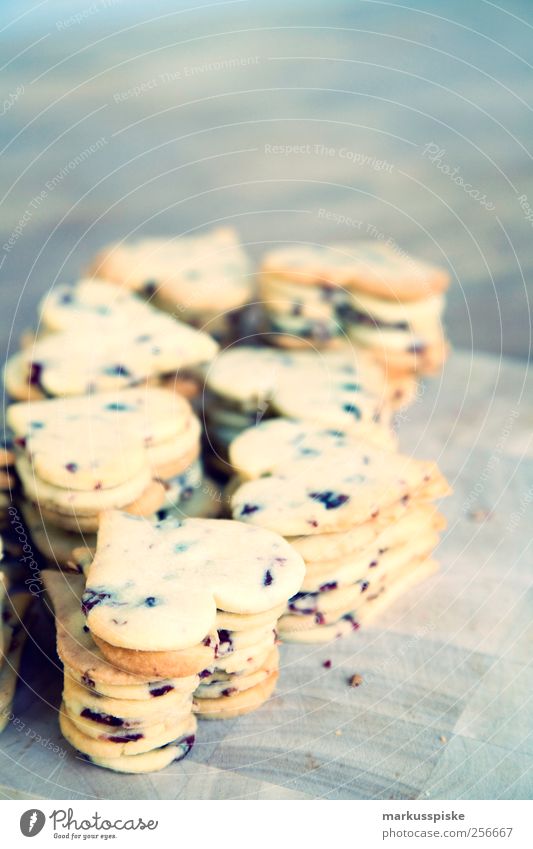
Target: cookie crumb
[
  {"x": 355, "y": 681},
  {"x": 326, "y": 664},
  {"x": 443, "y": 739},
  {"x": 479, "y": 515},
  {"x": 338, "y": 733}
]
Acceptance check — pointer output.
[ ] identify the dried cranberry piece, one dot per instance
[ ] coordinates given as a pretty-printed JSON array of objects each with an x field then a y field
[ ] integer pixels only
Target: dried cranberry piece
[
  {"x": 160, "y": 691},
  {"x": 102, "y": 718},
  {"x": 331, "y": 500}
]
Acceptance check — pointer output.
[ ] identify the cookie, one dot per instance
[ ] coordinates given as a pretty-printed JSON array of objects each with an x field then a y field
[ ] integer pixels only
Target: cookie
[
  {"x": 273, "y": 444},
  {"x": 107, "y": 713},
  {"x": 85, "y": 523},
  {"x": 373, "y": 267},
  {"x": 203, "y": 279},
  {"x": 182, "y": 572},
  {"x": 223, "y": 684},
  {"x": 150, "y": 761},
  {"x": 79, "y": 653},
  {"x": 369, "y": 293},
  {"x": 81, "y": 455},
  {"x": 69, "y": 363},
  {"x": 245, "y": 385},
  {"x": 124, "y": 714},
  {"x": 351, "y": 622},
  {"x": 329, "y": 490},
  {"x": 341, "y": 571},
  {"x": 159, "y": 420},
  {"x": 97, "y": 304},
  {"x": 77, "y": 503},
  {"x": 239, "y": 703},
  {"x": 367, "y": 509},
  {"x": 335, "y": 598},
  {"x": 321, "y": 547},
  {"x": 121, "y": 747},
  {"x": 55, "y": 545},
  {"x": 160, "y": 664},
  {"x": 15, "y": 609}
]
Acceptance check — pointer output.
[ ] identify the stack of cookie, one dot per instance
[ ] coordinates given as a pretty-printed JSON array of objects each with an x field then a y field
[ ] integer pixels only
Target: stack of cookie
[
  {"x": 103, "y": 307},
  {"x": 109, "y": 349},
  {"x": 369, "y": 292},
  {"x": 124, "y": 722},
  {"x": 245, "y": 385},
  {"x": 193, "y": 597},
  {"x": 360, "y": 516},
  {"x": 205, "y": 280},
  {"x": 76, "y": 456},
  {"x": 15, "y": 604}
]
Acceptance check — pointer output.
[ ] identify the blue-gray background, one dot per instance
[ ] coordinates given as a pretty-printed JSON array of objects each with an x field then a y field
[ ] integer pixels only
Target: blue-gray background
[{"x": 169, "y": 112}]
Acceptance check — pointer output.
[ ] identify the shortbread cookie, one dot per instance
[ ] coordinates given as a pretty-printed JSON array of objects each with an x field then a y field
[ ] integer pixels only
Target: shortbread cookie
[
  {"x": 160, "y": 664},
  {"x": 331, "y": 602},
  {"x": 83, "y": 523},
  {"x": 223, "y": 684},
  {"x": 201, "y": 278},
  {"x": 121, "y": 746},
  {"x": 151, "y": 761},
  {"x": 54, "y": 544},
  {"x": 123, "y": 713},
  {"x": 81, "y": 502},
  {"x": 248, "y": 376},
  {"x": 273, "y": 444},
  {"x": 90, "y": 303},
  {"x": 373, "y": 267},
  {"x": 236, "y": 704},
  {"x": 344, "y": 570},
  {"x": 80, "y": 654},
  {"x": 108, "y": 714},
  {"x": 183, "y": 574},
  {"x": 14, "y": 611},
  {"x": 370, "y": 293},
  {"x": 245, "y": 385},
  {"x": 365, "y": 616},
  {"x": 159, "y": 420},
  {"x": 322, "y": 547}
]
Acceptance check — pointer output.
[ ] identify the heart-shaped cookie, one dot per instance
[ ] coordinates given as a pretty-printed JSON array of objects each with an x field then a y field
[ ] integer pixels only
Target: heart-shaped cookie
[
  {"x": 78, "y": 361},
  {"x": 320, "y": 481}
]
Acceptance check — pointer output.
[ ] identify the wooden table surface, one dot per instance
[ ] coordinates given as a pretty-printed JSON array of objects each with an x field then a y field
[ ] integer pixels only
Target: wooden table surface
[
  {"x": 116, "y": 123},
  {"x": 444, "y": 710}
]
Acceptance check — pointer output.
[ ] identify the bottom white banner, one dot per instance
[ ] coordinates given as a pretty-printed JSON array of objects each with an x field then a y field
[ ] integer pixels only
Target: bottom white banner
[{"x": 236, "y": 824}]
